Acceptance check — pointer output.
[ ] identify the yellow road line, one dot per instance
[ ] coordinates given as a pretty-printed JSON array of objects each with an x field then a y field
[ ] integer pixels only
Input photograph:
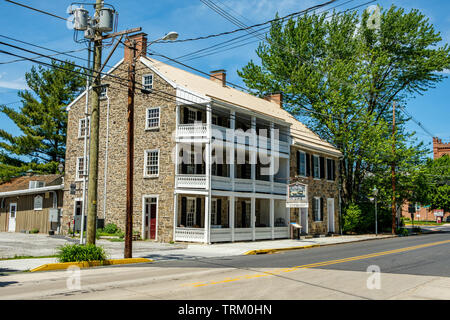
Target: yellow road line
[{"x": 319, "y": 264}]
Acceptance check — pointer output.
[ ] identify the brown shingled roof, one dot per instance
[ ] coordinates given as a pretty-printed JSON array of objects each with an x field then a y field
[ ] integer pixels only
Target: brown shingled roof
[{"x": 22, "y": 183}]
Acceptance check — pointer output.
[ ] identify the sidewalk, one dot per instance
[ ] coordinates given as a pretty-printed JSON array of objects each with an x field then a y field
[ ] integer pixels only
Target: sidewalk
[{"x": 180, "y": 251}]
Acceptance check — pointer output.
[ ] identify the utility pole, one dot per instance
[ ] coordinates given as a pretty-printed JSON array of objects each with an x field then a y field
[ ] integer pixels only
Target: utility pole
[
  {"x": 394, "y": 213},
  {"x": 94, "y": 134},
  {"x": 130, "y": 151}
]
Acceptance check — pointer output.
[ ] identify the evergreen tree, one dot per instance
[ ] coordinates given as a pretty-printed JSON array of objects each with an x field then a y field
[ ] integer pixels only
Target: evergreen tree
[{"x": 42, "y": 119}]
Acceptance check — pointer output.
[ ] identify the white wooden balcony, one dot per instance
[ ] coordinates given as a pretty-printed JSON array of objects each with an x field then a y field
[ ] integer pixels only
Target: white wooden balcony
[
  {"x": 279, "y": 188},
  {"x": 192, "y": 130},
  {"x": 190, "y": 234},
  {"x": 190, "y": 181}
]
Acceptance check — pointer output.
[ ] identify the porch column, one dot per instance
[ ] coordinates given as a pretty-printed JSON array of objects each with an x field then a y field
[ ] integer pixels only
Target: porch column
[
  {"x": 253, "y": 153},
  {"x": 177, "y": 112},
  {"x": 272, "y": 158},
  {"x": 231, "y": 153},
  {"x": 231, "y": 217},
  {"x": 175, "y": 214},
  {"x": 253, "y": 217},
  {"x": 272, "y": 217},
  {"x": 207, "y": 219}
]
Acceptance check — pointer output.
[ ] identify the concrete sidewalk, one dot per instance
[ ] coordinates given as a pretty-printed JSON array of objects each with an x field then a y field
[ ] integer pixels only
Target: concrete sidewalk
[{"x": 179, "y": 251}]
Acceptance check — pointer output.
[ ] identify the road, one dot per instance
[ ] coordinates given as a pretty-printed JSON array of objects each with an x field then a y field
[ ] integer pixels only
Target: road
[{"x": 415, "y": 267}]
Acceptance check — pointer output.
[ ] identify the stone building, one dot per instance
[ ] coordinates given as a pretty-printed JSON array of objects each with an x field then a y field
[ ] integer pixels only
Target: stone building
[{"x": 211, "y": 163}]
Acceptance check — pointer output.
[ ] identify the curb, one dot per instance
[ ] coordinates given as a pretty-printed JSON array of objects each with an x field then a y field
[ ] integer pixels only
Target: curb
[
  {"x": 88, "y": 264},
  {"x": 275, "y": 250}
]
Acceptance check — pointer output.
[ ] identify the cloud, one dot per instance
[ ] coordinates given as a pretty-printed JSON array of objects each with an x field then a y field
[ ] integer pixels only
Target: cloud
[{"x": 18, "y": 84}]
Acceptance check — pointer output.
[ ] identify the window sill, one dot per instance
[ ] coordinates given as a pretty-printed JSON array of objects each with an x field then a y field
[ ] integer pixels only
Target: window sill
[
  {"x": 151, "y": 177},
  {"x": 153, "y": 129}
]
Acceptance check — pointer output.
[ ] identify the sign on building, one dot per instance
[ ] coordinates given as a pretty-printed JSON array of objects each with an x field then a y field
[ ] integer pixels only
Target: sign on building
[
  {"x": 439, "y": 213},
  {"x": 297, "y": 196}
]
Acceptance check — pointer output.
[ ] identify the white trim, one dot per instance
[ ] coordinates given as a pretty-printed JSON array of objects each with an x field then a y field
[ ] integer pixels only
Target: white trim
[
  {"x": 147, "y": 118},
  {"x": 88, "y": 118},
  {"x": 31, "y": 191},
  {"x": 320, "y": 214},
  {"x": 313, "y": 171},
  {"x": 145, "y": 163},
  {"x": 146, "y": 196},
  {"x": 332, "y": 215},
  {"x": 310, "y": 148},
  {"x": 84, "y": 92},
  {"x": 77, "y": 175}
]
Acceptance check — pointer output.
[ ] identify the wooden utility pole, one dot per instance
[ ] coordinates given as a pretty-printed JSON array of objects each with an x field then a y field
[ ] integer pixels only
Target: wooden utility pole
[
  {"x": 394, "y": 213},
  {"x": 130, "y": 151},
  {"x": 94, "y": 135}
]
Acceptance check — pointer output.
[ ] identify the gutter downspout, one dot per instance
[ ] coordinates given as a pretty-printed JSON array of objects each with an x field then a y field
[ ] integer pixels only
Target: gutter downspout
[{"x": 105, "y": 169}]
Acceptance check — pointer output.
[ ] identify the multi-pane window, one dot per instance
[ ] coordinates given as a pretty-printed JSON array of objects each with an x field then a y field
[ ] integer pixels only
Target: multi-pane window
[
  {"x": 317, "y": 209},
  {"x": 192, "y": 116},
  {"x": 316, "y": 167},
  {"x": 81, "y": 168},
  {"x": 151, "y": 163},
  {"x": 301, "y": 163},
  {"x": 83, "y": 128},
  {"x": 152, "y": 118},
  {"x": 147, "y": 82},
  {"x": 190, "y": 212}
]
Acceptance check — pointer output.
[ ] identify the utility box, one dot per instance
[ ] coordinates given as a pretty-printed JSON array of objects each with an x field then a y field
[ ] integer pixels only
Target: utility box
[{"x": 106, "y": 20}]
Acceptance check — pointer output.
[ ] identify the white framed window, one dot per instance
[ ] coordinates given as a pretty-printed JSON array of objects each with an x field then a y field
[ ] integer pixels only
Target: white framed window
[
  {"x": 191, "y": 209},
  {"x": 103, "y": 92},
  {"x": 213, "y": 211},
  {"x": 317, "y": 208},
  {"x": 316, "y": 167},
  {"x": 36, "y": 184},
  {"x": 192, "y": 115},
  {"x": 84, "y": 127},
  {"x": 152, "y": 119},
  {"x": 151, "y": 163},
  {"x": 81, "y": 168},
  {"x": 147, "y": 82},
  {"x": 38, "y": 202}
]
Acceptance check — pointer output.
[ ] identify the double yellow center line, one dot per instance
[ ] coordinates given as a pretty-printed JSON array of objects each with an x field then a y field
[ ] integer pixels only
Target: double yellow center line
[{"x": 318, "y": 264}]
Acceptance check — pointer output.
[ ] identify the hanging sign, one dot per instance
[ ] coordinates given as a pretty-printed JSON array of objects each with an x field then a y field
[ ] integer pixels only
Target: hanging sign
[{"x": 297, "y": 196}]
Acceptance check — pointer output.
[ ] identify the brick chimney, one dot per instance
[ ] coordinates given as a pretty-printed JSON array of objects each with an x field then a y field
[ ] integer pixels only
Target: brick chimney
[
  {"x": 440, "y": 148},
  {"x": 275, "y": 98},
  {"x": 141, "y": 46},
  {"x": 219, "y": 76}
]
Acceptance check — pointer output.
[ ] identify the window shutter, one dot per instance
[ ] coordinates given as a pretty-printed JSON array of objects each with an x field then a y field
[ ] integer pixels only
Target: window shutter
[
  {"x": 322, "y": 167},
  {"x": 314, "y": 208},
  {"x": 199, "y": 212},
  {"x": 308, "y": 165},
  {"x": 298, "y": 162},
  {"x": 244, "y": 214},
  {"x": 183, "y": 211},
  {"x": 199, "y": 116},
  {"x": 333, "y": 166},
  {"x": 219, "y": 211},
  {"x": 321, "y": 209}
]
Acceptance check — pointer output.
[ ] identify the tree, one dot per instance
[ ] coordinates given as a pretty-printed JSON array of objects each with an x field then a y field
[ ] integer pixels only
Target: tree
[
  {"x": 42, "y": 120},
  {"x": 342, "y": 74}
]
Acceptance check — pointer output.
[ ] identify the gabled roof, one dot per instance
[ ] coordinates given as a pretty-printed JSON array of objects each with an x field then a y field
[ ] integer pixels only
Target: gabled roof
[
  {"x": 22, "y": 183},
  {"x": 301, "y": 134}
]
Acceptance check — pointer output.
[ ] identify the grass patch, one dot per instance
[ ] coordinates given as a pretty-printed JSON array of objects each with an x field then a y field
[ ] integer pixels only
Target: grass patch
[
  {"x": 78, "y": 252},
  {"x": 427, "y": 223}
]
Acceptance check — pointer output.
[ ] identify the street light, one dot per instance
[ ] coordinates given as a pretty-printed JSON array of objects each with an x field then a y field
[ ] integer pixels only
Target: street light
[
  {"x": 375, "y": 194},
  {"x": 60, "y": 167},
  {"x": 171, "y": 36}
]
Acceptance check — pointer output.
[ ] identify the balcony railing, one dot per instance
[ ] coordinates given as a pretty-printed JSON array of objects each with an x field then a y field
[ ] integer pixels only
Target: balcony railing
[
  {"x": 191, "y": 181},
  {"x": 192, "y": 130},
  {"x": 190, "y": 234}
]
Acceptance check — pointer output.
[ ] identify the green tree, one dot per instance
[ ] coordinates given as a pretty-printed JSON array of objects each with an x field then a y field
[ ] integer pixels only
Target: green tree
[
  {"x": 341, "y": 75},
  {"x": 42, "y": 119}
]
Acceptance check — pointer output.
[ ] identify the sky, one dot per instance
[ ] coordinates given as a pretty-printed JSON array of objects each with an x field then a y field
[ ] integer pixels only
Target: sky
[{"x": 191, "y": 19}]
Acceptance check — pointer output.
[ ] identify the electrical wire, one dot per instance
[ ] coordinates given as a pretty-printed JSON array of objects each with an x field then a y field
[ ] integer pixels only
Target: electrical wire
[{"x": 38, "y": 10}]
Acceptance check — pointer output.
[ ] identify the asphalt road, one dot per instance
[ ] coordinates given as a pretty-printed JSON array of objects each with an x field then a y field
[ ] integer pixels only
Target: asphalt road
[{"x": 415, "y": 267}]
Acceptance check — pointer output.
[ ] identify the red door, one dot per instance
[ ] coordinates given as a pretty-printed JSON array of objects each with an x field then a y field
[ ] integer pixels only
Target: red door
[
  {"x": 150, "y": 217},
  {"x": 153, "y": 221}
]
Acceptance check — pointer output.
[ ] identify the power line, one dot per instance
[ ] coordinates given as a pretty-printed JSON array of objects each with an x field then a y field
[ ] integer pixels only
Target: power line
[{"x": 38, "y": 10}]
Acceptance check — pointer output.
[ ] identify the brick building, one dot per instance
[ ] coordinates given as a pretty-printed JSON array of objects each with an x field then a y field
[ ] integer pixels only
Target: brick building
[
  {"x": 184, "y": 125},
  {"x": 426, "y": 214}
]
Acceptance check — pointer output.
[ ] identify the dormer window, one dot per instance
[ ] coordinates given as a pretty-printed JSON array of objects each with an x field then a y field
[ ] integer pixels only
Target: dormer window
[
  {"x": 147, "y": 82},
  {"x": 36, "y": 184}
]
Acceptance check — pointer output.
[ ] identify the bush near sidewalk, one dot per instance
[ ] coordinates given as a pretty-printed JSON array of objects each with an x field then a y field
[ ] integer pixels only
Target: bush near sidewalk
[{"x": 78, "y": 252}]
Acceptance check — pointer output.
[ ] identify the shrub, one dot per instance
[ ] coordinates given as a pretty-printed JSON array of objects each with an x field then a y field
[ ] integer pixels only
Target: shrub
[
  {"x": 34, "y": 230},
  {"x": 403, "y": 232},
  {"x": 353, "y": 219},
  {"x": 110, "y": 228},
  {"x": 78, "y": 252}
]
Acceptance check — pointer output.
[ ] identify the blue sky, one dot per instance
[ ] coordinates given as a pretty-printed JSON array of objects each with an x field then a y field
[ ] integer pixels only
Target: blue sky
[{"x": 191, "y": 18}]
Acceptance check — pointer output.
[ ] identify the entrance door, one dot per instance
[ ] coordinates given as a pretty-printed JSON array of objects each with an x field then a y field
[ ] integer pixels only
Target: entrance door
[
  {"x": 12, "y": 217},
  {"x": 330, "y": 209},
  {"x": 150, "y": 207},
  {"x": 304, "y": 219}
]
